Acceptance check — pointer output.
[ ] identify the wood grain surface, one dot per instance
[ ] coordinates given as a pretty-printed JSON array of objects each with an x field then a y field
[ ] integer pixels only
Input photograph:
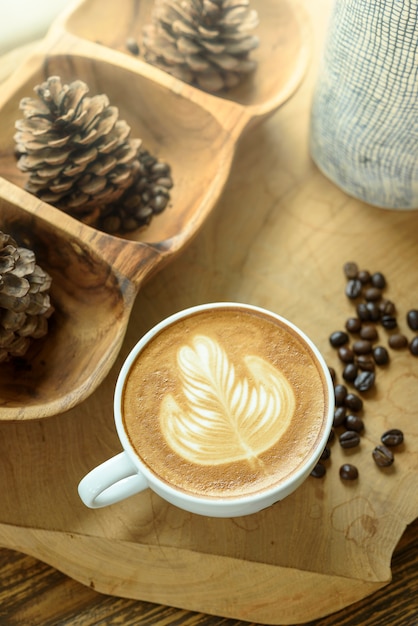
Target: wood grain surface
[
  {"x": 34, "y": 594},
  {"x": 278, "y": 238}
]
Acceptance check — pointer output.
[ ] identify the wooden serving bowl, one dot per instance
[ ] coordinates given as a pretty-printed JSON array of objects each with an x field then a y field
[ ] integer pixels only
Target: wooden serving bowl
[{"x": 96, "y": 276}]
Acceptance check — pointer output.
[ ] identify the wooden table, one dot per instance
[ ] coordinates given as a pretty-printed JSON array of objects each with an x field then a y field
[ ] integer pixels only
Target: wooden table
[{"x": 279, "y": 230}]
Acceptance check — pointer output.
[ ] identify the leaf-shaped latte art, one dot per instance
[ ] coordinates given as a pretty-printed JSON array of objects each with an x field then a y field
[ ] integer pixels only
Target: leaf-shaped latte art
[{"x": 223, "y": 418}]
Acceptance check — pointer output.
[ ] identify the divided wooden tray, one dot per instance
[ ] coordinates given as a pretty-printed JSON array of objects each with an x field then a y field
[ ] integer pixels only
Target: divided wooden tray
[
  {"x": 196, "y": 133},
  {"x": 272, "y": 232}
]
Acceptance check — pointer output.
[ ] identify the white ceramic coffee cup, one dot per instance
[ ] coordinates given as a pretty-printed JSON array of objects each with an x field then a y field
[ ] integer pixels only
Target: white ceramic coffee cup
[{"x": 125, "y": 475}]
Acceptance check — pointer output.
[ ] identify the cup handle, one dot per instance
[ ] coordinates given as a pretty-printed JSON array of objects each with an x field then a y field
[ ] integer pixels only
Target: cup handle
[{"x": 112, "y": 481}]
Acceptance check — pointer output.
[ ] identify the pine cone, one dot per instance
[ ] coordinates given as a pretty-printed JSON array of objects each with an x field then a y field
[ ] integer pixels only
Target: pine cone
[
  {"x": 148, "y": 196},
  {"x": 78, "y": 153},
  {"x": 202, "y": 42},
  {"x": 24, "y": 299}
]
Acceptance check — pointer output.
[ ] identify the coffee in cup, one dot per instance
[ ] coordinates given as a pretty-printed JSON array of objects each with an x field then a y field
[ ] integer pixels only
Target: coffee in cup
[{"x": 222, "y": 409}]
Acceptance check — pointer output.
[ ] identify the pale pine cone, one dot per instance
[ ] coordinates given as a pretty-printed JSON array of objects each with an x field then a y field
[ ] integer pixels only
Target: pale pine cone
[
  {"x": 24, "y": 299},
  {"x": 78, "y": 154},
  {"x": 202, "y": 42}
]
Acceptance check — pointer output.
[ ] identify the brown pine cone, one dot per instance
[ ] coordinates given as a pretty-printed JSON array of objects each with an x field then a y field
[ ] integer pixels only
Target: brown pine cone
[
  {"x": 78, "y": 154},
  {"x": 202, "y": 42},
  {"x": 148, "y": 196},
  {"x": 24, "y": 299}
]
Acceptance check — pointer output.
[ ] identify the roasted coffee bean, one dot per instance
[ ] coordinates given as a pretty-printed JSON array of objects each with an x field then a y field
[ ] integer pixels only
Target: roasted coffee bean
[
  {"x": 413, "y": 346},
  {"x": 346, "y": 354},
  {"x": 364, "y": 381},
  {"x": 159, "y": 203},
  {"x": 389, "y": 321},
  {"x": 363, "y": 312},
  {"x": 383, "y": 457},
  {"x": 325, "y": 454},
  {"x": 338, "y": 338},
  {"x": 163, "y": 180},
  {"x": 353, "y": 325},
  {"x": 412, "y": 319},
  {"x": 354, "y": 422},
  {"x": 380, "y": 355},
  {"x": 331, "y": 436},
  {"x": 340, "y": 392},
  {"x": 333, "y": 374},
  {"x": 132, "y": 46},
  {"x": 350, "y": 372},
  {"x": 387, "y": 307},
  {"x": 373, "y": 311},
  {"x": 349, "y": 439},
  {"x": 319, "y": 471},
  {"x": 348, "y": 472},
  {"x": 339, "y": 416},
  {"x": 397, "y": 341},
  {"x": 368, "y": 331},
  {"x": 353, "y": 289},
  {"x": 378, "y": 280},
  {"x": 364, "y": 276},
  {"x": 353, "y": 402},
  {"x": 392, "y": 437},
  {"x": 365, "y": 363},
  {"x": 372, "y": 294},
  {"x": 362, "y": 346},
  {"x": 350, "y": 269}
]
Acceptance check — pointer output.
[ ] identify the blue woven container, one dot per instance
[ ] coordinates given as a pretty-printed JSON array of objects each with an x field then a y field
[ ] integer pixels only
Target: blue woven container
[{"x": 364, "y": 124}]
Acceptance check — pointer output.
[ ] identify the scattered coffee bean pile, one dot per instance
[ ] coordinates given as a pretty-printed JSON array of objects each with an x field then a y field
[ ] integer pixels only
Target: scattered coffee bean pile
[{"x": 361, "y": 354}]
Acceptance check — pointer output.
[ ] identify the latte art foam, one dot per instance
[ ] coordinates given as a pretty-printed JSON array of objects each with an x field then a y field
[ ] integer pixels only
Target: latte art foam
[
  {"x": 225, "y": 402},
  {"x": 220, "y": 417}
]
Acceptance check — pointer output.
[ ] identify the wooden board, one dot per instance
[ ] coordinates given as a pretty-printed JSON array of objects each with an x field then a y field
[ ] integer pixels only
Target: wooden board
[
  {"x": 32, "y": 589},
  {"x": 278, "y": 238}
]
